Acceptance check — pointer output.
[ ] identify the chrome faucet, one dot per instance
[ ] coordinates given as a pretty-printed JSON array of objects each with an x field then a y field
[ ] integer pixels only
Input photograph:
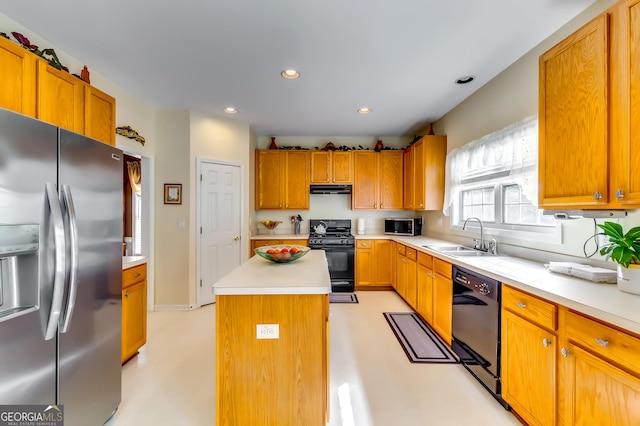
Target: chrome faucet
[{"x": 480, "y": 245}]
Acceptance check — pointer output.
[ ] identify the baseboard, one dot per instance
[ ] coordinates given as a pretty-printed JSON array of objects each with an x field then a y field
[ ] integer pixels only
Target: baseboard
[
  {"x": 373, "y": 288},
  {"x": 174, "y": 307}
]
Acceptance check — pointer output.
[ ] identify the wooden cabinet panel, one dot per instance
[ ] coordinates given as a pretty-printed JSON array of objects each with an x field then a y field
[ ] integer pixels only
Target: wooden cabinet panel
[
  {"x": 282, "y": 179},
  {"x": 374, "y": 259},
  {"x": 424, "y": 287},
  {"x": 60, "y": 98},
  {"x": 100, "y": 115},
  {"x": 18, "y": 75},
  {"x": 320, "y": 166},
  {"x": 597, "y": 392},
  {"x": 342, "y": 169},
  {"x": 134, "y": 310},
  {"x": 530, "y": 391},
  {"x": 532, "y": 308},
  {"x": 424, "y": 173},
  {"x": 365, "y": 265},
  {"x": 378, "y": 180},
  {"x": 384, "y": 257},
  {"x": 409, "y": 178},
  {"x": 331, "y": 167},
  {"x": 411, "y": 283},
  {"x": 401, "y": 273},
  {"x": 442, "y": 299}
]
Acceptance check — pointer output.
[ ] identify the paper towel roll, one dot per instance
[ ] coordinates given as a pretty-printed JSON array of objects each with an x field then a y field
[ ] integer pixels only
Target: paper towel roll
[{"x": 360, "y": 226}]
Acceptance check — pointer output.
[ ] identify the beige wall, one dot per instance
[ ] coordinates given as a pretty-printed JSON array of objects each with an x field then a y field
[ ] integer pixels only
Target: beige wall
[{"x": 508, "y": 98}]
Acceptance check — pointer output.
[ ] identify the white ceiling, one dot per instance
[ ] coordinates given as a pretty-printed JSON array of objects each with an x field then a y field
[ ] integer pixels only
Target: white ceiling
[{"x": 398, "y": 57}]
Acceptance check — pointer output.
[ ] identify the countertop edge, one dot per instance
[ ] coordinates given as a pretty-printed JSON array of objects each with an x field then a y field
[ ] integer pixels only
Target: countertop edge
[{"x": 132, "y": 261}]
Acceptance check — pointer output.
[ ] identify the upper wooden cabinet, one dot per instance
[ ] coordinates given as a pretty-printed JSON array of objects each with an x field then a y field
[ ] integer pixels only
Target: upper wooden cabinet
[
  {"x": 588, "y": 115},
  {"x": 378, "y": 180},
  {"x": 100, "y": 115},
  {"x": 32, "y": 87},
  {"x": 424, "y": 173},
  {"x": 332, "y": 167},
  {"x": 18, "y": 76},
  {"x": 60, "y": 98},
  {"x": 282, "y": 179}
]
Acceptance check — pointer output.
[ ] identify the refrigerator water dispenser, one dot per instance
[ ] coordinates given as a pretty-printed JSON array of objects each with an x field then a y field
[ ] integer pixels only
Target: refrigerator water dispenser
[{"x": 18, "y": 270}]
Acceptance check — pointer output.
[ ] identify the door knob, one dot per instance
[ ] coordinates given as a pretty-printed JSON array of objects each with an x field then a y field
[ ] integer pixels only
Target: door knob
[{"x": 236, "y": 238}]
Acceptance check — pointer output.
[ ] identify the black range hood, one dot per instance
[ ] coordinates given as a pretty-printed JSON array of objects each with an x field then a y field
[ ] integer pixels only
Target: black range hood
[{"x": 330, "y": 189}]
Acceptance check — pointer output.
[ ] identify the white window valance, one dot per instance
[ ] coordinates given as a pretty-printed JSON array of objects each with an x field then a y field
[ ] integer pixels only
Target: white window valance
[{"x": 512, "y": 152}]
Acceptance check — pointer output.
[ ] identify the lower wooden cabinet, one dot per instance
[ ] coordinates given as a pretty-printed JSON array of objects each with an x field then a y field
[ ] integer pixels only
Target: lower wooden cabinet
[
  {"x": 374, "y": 263},
  {"x": 401, "y": 270},
  {"x": 424, "y": 287},
  {"x": 442, "y": 299},
  {"x": 528, "y": 358},
  {"x": 134, "y": 310},
  {"x": 411, "y": 292}
]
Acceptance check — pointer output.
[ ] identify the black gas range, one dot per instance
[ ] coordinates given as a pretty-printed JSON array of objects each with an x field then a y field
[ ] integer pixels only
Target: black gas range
[{"x": 334, "y": 237}]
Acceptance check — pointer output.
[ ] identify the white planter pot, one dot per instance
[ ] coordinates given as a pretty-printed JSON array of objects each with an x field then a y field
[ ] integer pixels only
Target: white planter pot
[{"x": 629, "y": 279}]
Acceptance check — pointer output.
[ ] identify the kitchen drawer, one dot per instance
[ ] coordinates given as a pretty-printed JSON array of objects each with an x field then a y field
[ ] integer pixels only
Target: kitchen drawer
[
  {"x": 604, "y": 341},
  {"x": 412, "y": 254},
  {"x": 303, "y": 243},
  {"x": 402, "y": 249},
  {"x": 425, "y": 260},
  {"x": 263, "y": 243},
  {"x": 364, "y": 244},
  {"x": 531, "y": 308},
  {"x": 441, "y": 267},
  {"x": 134, "y": 275}
]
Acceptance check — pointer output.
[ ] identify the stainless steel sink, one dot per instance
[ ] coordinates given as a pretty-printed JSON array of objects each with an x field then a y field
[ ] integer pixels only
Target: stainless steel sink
[{"x": 459, "y": 251}]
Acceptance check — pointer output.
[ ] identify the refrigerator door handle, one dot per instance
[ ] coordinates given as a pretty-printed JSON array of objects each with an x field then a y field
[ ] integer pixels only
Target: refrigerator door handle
[
  {"x": 59, "y": 274},
  {"x": 73, "y": 245}
]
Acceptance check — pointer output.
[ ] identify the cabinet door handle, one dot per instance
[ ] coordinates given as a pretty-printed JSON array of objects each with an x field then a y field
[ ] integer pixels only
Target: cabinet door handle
[
  {"x": 601, "y": 342},
  {"x": 137, "y": 274},
  {"x": 546, "y": 342},
  {"x": 126, "y": 294},
  {"x": 521, "y": 305},
  {"x": 565, "y": 352},
  {"x": 619, "y": 193},
  {"x": 597, "y": 195}
]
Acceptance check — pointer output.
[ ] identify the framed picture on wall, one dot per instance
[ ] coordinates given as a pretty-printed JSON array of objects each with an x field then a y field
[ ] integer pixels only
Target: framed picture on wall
[{"x": 173, "y": 193}]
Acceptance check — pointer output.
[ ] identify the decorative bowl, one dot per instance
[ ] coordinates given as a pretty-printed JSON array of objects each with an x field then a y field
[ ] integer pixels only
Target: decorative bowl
[
  {"x": 282, "y": 253},
  {"x": 271, "y": 224}
]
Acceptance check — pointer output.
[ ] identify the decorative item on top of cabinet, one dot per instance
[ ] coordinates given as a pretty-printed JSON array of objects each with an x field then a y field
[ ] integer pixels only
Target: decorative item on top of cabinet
[
  {"x": 588, "y": 100},
  {"x": 130, "y": 133},
  {"x": 84, "y": 75},
  {"x": 377, "y": 182},
  {"x": 273, "y": 145},
  {"x": 134, "y": 310}
]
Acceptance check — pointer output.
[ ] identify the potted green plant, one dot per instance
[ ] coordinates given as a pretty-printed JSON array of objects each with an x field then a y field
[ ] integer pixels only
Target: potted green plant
[{"x": 624, "y": 249}]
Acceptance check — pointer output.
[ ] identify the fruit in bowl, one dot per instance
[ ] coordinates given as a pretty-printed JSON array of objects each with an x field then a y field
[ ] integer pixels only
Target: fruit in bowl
[{"x": 282, "y": 253}]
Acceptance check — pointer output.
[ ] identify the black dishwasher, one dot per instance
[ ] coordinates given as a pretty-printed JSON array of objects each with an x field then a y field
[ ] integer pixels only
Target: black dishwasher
[{"x": 475, "y": 326}]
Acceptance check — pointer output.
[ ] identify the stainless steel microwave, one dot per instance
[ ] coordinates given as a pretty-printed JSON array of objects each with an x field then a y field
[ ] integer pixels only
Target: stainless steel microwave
[{"x": 403, "y": 226}]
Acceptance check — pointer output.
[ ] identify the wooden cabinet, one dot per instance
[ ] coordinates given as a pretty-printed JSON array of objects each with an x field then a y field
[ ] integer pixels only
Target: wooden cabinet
[
  {"x": 60, "y": 98},
  {"x": 401, "y": 270},
  {"x": 18, "y": 76},
  {"x": 588, "y": 114},
  {"x": 411, "y": 277},
  {"x": 100, "y": 115},
  {"x": 282, "y": 179},
  {"x": 331, "y": 167},
  {"x": 424, "y": 173},
  {"x": 424, "y": 287},
  {"x": 374, "y": 260},
  {"x": 262, "y": 243},
  {"x": 442, "y": 299},
  {"x": 378, "y": 180},
  {"x": 600, "y": 373},
  {"x": 529, "y": 338},
  {"x": 134, "y": 310}
]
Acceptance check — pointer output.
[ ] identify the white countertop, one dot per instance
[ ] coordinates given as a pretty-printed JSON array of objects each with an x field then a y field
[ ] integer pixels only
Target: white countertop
[
  {"x": 307, "y": 275},
  {"x": 601, "y": 301},
  {"x": 131, "y": 261}
]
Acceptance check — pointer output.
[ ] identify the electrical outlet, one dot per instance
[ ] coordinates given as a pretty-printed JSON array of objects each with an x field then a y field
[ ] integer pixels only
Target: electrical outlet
[
  {"x": 267, "y": 331},
  {"x": 439, "y": 221}
]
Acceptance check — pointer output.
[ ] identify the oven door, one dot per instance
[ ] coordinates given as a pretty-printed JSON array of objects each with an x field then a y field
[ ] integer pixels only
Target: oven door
[{"x": 341, "y": 268}]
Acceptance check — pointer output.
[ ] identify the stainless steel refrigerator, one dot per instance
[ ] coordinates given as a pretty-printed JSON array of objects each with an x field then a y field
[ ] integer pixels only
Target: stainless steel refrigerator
[{"x": 60, "y": 270}]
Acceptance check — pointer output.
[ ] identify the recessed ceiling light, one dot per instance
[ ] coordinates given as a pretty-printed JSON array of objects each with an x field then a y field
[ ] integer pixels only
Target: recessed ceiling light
[
  {"x": 364, "y": 110},
  {"x": 465, "y": 79},
  {"x": 230, "y": 110},
  {"x": 290, "y": 74}
]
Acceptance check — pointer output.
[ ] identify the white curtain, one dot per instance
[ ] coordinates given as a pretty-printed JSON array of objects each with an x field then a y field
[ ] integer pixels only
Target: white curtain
[{"x": 512, "y": 151}]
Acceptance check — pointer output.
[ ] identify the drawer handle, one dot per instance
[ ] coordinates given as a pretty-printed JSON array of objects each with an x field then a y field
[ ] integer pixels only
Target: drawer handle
[
  {"x": 565, "y": 352},
  {"x": 546, "y": 342},
  {"x": 601, "y": 342},
  {"x": 126, "y": 294},
  {"x": 521, "y": 305},
  {"x": 137, "y": 275}
]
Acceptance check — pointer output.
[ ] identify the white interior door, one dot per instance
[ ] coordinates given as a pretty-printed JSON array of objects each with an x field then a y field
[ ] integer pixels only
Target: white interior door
[{"x": 220, "y": 216}]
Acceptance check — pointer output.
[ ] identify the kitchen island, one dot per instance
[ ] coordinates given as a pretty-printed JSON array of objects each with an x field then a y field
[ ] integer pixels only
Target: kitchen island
[{"x": 272, "y": 342}]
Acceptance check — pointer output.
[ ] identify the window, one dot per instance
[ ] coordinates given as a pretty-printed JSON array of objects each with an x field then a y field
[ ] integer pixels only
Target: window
[{"x": 495, "y": 179}]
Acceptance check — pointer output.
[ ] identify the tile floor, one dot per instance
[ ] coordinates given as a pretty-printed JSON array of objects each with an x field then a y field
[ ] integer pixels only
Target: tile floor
[{"x": 172, "y": 380}]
